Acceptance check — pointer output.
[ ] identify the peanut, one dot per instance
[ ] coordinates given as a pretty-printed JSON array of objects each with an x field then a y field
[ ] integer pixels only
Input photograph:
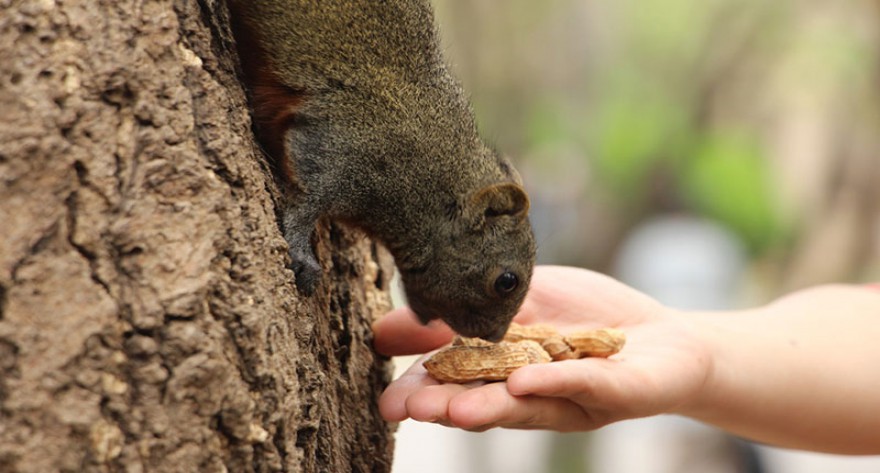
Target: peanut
[
  {"x": 558, "y": 348},
  {"x": 463, "y": 363},
  {"x": 603, "y": 342},
  {"x": 536, "y": 332},
  {"x": 472, "y": 359},
  {"x": 470, "y": 342}
]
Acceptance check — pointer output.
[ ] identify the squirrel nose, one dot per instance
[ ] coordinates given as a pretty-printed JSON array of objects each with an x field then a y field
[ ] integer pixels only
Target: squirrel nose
[{"x": 495, "y": 336}]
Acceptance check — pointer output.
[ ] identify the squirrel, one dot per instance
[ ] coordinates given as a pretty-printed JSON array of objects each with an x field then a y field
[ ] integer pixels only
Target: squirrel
[{"x": 356, "y": 108}]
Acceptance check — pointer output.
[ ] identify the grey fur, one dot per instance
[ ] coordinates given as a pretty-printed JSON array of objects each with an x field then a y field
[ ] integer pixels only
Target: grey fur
[{"x": 384, "y": 138}]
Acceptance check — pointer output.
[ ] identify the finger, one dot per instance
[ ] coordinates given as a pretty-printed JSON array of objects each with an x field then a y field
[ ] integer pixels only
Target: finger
[
  {"x": 392, "y": 402},
  {"x": 492, "y": 405},
  {"x": 587, "y": 382},
  {"x": 478, "y": 407},
  {"x": 431, "y": 403},
  {"x": 399, "y": 333},
  {"x": 534, "y": 308},
  {"x": 554, "y": 296}
]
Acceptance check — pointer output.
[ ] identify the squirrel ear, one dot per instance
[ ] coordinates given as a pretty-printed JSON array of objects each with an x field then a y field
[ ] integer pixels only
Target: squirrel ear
[
  {"x": 502, "y": 199},
  {"x": 511, "y": 171}
]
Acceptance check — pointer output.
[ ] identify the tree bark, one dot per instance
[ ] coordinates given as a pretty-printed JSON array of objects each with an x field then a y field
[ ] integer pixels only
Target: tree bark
[{"x": 147, "y": 319}]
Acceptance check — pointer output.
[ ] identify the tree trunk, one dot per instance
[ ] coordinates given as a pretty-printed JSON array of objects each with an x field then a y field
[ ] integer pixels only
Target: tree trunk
[{"x": 147, "y": 319}]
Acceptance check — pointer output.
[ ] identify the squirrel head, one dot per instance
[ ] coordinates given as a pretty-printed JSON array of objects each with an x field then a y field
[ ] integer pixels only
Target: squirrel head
[{"x": 479, "y": 274}]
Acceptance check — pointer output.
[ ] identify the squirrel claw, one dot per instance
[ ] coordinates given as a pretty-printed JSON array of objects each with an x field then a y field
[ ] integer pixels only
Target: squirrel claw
[{"x": 307, "y": 272}]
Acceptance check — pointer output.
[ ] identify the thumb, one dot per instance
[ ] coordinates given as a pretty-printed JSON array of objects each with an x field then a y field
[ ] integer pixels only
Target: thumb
[{"x": 399, "y": 333}]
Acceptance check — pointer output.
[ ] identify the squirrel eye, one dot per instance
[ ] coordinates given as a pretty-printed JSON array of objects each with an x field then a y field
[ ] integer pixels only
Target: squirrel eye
[{"x": 506, "y": 283}]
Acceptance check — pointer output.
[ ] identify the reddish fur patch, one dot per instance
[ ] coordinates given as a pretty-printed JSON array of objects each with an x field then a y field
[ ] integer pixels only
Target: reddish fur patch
[
  {"x": 274, "y": 104},
  {"x": 274, "y": 107}
]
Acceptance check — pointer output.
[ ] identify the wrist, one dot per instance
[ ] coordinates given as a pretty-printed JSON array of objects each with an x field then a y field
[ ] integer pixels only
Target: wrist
[{"x": 717, "y": 336}]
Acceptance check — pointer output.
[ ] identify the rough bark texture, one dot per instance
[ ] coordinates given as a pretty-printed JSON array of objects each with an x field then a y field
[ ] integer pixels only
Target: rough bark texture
[{"x": 147, "y": 320}]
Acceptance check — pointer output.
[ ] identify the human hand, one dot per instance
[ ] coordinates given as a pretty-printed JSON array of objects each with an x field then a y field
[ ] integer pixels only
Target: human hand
[{"x": 661, "y": 368}]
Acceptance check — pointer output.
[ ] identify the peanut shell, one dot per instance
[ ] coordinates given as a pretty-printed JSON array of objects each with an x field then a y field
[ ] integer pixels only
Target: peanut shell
[
  {"x": 535, "y": 332},
  {"x": 461, "y": 363},
  {"x": 603, "y": 342},
  {"x": 558, "y": 349},
  {"x": 460, "y": 341}
]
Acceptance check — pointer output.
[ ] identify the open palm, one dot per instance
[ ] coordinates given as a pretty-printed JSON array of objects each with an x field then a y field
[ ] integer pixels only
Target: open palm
[{"x": 661, "y": 368}]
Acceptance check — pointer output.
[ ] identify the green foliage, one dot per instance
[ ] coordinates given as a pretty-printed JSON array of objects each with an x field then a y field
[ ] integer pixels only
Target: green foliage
[
  {"x": 723, "y": 176},
  {"x": 727, "y": 179},
  {"x": 637, "y": 132},
  {"x": 644, "y": 129},
  {"x": 648, "y": 122}
]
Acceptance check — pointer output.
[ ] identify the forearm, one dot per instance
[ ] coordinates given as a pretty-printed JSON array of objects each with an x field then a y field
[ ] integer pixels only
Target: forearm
[{"x": 802, "y": 372}]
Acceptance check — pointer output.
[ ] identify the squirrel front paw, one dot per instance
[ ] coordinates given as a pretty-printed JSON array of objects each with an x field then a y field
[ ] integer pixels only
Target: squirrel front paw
[
  {"x": 299, "y": 224},
  {"x": 306, "y": 269}
]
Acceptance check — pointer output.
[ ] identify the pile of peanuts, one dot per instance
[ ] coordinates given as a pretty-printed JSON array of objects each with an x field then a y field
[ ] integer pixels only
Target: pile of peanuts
[{"x": 472, "y": 359}]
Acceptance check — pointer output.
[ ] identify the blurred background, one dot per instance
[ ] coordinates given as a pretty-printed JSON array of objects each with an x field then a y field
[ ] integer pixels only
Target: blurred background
[{"x": 714, "y": 154}]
